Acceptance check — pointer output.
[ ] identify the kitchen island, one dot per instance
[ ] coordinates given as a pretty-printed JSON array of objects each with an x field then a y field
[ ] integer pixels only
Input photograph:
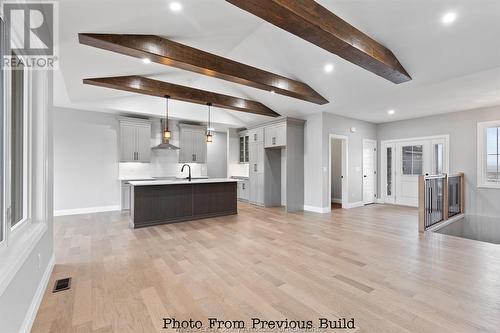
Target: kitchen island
[{"x": 155, "y": 202}]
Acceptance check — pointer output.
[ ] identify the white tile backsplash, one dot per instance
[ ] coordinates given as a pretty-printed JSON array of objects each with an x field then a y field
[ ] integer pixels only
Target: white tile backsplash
[
  {"x": 164, "y": 163},
  {"x": 238, "y": 169}
]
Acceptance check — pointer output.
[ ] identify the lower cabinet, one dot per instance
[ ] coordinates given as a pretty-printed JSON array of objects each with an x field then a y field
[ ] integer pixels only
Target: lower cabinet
[
  {"x": 125, "y": 197},
  {"x": 256, "y": 190},
  {"x": 243, "y": 190}
]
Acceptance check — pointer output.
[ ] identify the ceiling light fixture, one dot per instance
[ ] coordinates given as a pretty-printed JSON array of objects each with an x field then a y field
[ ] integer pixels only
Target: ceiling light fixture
[
  {"x": 391, "y": 112},
  {"x": 146, "y": 60},
  {"x": 449, "y": 18},
  {"x": 209, "y": 128},
  {"x": 175, "y": 7},
  {"x": 328, "y": 68}
]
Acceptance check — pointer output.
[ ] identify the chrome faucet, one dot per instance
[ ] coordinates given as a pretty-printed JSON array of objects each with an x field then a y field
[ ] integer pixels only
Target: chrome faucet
[{"x": 182, "y": 170}]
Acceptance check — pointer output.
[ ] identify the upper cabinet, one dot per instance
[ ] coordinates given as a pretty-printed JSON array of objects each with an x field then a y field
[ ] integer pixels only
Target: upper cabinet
[
  {"x": 244, "y": 143},
  {"x": 256, "y": 135},
  {"x": 193, "y": 144},
  {"x": 135, "y": 140},
  {"x": 275, "y": 135}
]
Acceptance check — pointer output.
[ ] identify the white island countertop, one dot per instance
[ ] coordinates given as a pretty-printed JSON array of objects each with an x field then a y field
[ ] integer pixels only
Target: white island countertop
[{"x": 181, "y": 181}]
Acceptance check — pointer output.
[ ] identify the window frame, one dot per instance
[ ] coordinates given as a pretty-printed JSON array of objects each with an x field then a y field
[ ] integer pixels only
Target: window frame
[
  {"x": 27, "y": 151},
  {"x": 413, "y": 160},
  {"x": 482, "y": 154}
]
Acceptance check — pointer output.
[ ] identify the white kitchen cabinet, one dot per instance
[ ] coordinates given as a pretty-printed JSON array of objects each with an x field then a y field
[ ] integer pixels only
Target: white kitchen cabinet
[
  {"x": 256, "y": 135},
  {"x": 275, "y": 135},
  {"x": 125, "y": 197},
  {"x": 243, "y": 190},
  {"x": 276, "y": 164},
  {"x": 193, "y": 146},
  {"x": 244, "y": 147},
  {"x": 256, "y": 175},
  {"x": 256, "y": 189},
  {"x": 135, "y": 140}
]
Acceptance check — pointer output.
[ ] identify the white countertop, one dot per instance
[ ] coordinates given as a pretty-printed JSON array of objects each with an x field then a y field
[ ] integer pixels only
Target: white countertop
[{"x": 181, "y": 181}]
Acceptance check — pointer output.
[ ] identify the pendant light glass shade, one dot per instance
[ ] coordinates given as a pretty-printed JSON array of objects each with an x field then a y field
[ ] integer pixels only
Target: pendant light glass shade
[{"x": 209, "y": 132}]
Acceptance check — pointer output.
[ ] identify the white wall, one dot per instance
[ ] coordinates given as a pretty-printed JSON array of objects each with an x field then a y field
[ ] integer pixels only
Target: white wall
[
  {"x": 85, "y": 160},
  {"x": 27, "y": 261},
  {"x": 217, "y": 156},
  {"x": 316, "y": 160},
  {"x": 462, "y": 128}
]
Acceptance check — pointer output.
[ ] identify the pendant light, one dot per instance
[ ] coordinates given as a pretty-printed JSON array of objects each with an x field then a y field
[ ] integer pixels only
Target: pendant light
[
  {"x": 209, "y": 129},
  {"x": 166, "y": 133}
]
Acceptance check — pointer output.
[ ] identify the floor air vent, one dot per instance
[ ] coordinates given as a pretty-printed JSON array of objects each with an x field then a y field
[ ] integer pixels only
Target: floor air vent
[{"x": 62, "y": 284}]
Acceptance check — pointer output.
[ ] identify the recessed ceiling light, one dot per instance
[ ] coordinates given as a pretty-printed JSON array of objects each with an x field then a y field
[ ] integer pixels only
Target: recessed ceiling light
[
  {"x": 146, "y": 60},
  {"x": 391, "y": 112},
  {"x": 175, "y": 7},
  {"x": 449, "y": 18},
  {"x": 328, "y": 68}
]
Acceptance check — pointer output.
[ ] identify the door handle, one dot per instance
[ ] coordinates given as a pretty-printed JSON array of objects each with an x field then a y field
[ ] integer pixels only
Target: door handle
[
  {"x": 274, "y": 141},
  {"x": 255, "y": 137},
  {"x": 255, "y": 167}
]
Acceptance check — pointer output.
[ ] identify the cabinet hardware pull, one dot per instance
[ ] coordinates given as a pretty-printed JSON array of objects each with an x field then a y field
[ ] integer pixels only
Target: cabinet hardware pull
[
  {"x": 255, "y": 167},
  {"x": 274, "y": 140}
]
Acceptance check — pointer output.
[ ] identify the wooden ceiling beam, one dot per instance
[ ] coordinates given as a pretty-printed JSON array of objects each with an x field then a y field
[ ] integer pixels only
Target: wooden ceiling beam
[
  {"x": 146, "y": 86},
  {"x": 167, "y": 52},
  {"x": 310, "y": 21}
]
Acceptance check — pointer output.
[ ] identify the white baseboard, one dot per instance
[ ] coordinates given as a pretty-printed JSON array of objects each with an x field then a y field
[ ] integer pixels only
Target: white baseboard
[
  {"x": 355, "y": 204},
  {"x": 336, "y": 200},
  {"x": 29, "y": 319},
  {"x": 321, "y": 210},
  {"x": 90, "y": 210},
  {"x": 379, "y": 201}
]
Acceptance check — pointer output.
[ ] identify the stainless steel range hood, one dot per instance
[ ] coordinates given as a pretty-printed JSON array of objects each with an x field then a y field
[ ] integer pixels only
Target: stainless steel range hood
[{"x": 165, "y": 142}]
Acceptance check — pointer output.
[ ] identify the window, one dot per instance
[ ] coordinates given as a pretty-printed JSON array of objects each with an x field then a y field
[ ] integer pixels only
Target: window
[
  {"x": 389, "y": 171},
  {"x": 412, "y": 160},
  {"x": 2, "y": 107},
  {"x": 492, "y": 154},
  {"x": 488, "y": 154},
  {"x": 438, "y": 159},
  {"x": 18, "y": 147}
]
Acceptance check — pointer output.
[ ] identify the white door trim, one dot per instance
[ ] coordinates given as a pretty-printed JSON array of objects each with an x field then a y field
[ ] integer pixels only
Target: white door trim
[
  {"x": 345, "y": 169},
  {"x": 393, "y": 142},
  {"x": 374, "y": 168}
]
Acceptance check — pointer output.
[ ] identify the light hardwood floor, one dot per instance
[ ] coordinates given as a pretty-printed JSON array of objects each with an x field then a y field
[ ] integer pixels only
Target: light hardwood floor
[{"x": 369, "y": 263}]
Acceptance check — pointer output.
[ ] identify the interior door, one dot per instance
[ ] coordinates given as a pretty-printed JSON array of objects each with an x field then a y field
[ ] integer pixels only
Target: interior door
[
  {"x": 369, "y": 171},
  {"x": 412, "y": 160}
]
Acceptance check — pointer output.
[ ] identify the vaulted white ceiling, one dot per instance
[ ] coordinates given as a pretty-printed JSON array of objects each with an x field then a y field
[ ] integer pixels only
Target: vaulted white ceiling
[{"x": 454, "y": 67}]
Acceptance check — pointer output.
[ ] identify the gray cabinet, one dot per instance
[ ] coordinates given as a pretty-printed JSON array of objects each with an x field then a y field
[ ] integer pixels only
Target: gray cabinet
[
  {"x": 256, "y": 135},
  {"x": 193, "y": 146},
  {"x": 125, "y": 197},
  {"x": 244, "y": 147},
  {"x": 276, "y": 164},
  {"x": 135, "y": 140},
  {"x": 256, "y": 176},
  {"x": 243, "y": 190},
  {"x": 275, "y": 135}
]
